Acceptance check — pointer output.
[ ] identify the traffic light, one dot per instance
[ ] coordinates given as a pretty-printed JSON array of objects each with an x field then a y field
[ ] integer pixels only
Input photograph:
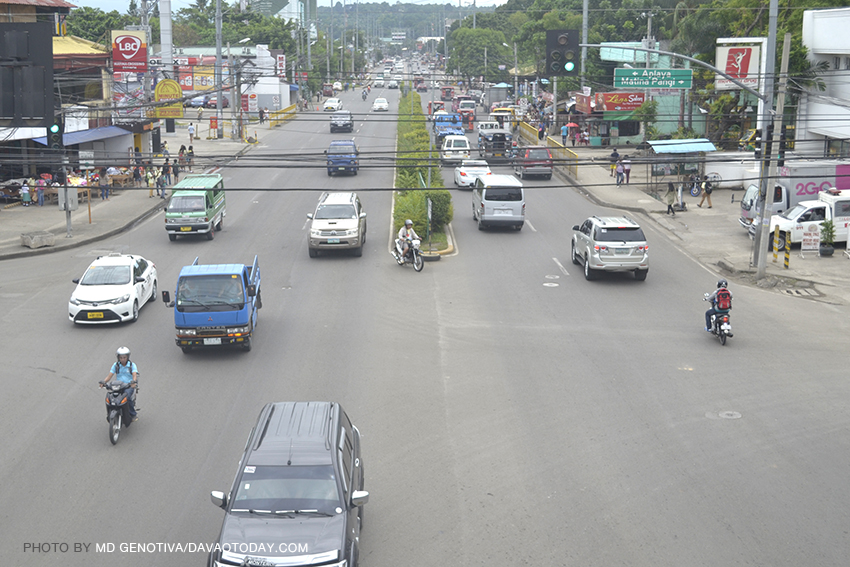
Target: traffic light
[
  {"x": 54, "y": 134},
  {"x": 562, "y": 51},
  {"x": 783, "y": 145}
]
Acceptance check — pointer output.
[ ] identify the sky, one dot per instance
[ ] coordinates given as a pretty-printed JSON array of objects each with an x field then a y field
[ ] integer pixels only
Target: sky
[{"x": 121, "y": 5}]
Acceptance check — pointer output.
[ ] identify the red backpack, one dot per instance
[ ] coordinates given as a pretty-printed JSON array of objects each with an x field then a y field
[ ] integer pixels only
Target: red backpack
[{"x": 723, "y": 299}]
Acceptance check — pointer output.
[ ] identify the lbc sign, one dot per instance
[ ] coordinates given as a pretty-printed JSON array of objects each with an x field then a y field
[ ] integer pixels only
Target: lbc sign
[{"x": 129, "y": 52}]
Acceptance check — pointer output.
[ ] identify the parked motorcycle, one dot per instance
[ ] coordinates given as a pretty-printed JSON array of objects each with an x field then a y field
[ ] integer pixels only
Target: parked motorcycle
[
  {"x": 721, "y": 325},
  {"x": 413, "y": 256},
  {"x": 117, "y": 406},
  {"x": 696, "y": 185}
]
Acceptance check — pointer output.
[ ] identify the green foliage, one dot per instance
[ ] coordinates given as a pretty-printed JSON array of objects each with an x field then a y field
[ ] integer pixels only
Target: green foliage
[
  {"x": 648, "y": 114},
  {"x": 827, "y": 232}
]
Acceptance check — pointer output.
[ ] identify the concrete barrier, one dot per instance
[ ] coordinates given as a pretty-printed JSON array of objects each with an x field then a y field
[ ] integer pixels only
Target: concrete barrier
[{"x": 37, "y": 239}]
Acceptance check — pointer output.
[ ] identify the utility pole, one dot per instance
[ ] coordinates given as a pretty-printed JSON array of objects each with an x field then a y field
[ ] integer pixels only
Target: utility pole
[
  {"x": 146, "y": 82},
  {"x": 584, "y": 16},
  {"x": 218, "y": 77}
]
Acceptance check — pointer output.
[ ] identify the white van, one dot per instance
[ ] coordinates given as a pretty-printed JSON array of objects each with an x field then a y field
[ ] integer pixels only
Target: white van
[
  {"x": 455, "y": 149},
  {"x": 498, "y": 200}
]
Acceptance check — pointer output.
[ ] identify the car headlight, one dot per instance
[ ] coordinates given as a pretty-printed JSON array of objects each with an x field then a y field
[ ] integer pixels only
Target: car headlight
[
  {"x": 73, "y": 301},
  {"x": 315, "y": 233},
  {"x": 187, "y": 332},
  {"x": 236, "y": 330},
  {"x": 122, "y": 299}
]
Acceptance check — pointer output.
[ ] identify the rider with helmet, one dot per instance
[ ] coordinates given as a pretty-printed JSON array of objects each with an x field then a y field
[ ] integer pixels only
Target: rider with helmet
[
  {"x": 405, "y": 235},
  {"x": 125, "y": 371},
  {"x": 715, "y": 309}
]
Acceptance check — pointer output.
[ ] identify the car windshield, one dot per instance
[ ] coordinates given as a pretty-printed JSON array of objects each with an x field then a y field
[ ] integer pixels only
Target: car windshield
[
  {"x": 620, "y": 234},
  {"x": 476, "y": 163},
  {"x": 106, "y": 275},
  {"x": 224, "y": 292},
  {"x": 187, "y": 204},
  {"x": 538, "y": 154},
  {"x": 336, "y": 212},
  {"x": 287, "y": 488},
  {"x": 380, "y": 101},
  {"x": 794, "y": 212},
  {"x": 504, "y": 194},
  {"x": 341, "y": 150}
]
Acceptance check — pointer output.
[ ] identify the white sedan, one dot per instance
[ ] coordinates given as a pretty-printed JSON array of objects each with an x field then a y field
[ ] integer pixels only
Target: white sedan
[
  {"x": 469, "y": 170},
  {"x": 332, "y": 105},
  {"x": 381, "y": 104},
  {"x": 113, "y": 289}
]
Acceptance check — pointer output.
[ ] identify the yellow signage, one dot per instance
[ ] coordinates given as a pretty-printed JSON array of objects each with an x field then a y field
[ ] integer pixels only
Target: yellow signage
[
  {"x": 204, "y": 79},
  {"x": 168, "y": 89}
]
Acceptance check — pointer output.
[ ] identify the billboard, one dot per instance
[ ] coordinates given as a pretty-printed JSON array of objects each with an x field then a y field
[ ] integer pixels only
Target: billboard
[
  {"x": 168, "y": 89},
  {"x": 621, "y": 102},
  {"x": 129, "y": 52},
  {"x": 740, "y": 63}
]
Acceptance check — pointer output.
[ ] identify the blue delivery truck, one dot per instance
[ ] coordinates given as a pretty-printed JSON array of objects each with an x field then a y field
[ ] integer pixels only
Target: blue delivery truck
[{"x": 216, "y": 305}]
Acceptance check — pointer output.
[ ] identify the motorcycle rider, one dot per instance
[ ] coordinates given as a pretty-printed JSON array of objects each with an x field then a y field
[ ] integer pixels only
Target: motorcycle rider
[
  {"x": 364, "y": 94},
  {"x": 125, "y": 371},
  {"x": 405, "y": 234},
  {"x": 713, "y": 310}
]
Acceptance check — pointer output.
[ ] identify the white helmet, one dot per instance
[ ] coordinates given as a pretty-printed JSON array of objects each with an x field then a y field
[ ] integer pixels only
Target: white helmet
[
  {"x": 123, "y": 351},
  {"x": 408, "y": 222}
]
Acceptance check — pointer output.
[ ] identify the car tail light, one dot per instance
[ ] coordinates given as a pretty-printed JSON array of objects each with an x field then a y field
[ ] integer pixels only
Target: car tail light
[
  {"x": 463, "y": 174},
  {"x": 600, "y": 248},
  {"x": 644, "y": 248},
  {"x": 523, "y": 209}
]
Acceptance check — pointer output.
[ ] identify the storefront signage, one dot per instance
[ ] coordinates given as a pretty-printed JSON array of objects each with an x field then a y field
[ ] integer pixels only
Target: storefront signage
[
  {"x": 129, "y": 52},
  {"x": 622, "y": 102}
]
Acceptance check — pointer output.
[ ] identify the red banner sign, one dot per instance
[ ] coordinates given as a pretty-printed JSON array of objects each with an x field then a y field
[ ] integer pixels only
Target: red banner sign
[
  {"x": 621, "y": 102},
  {"x": 129, "y": 52}
]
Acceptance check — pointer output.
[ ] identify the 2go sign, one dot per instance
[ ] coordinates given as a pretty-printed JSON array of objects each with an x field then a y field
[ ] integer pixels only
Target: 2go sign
[{"x": 129, "y": 52}]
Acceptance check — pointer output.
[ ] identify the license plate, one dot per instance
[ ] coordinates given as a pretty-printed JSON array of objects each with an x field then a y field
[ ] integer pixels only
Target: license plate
[
  {"x": 621, "y": 250},
  {"x": 501, "y": 212},
  {"x": 185, "y": 229},
  {"x": 341, "y": 168},
  {"x": 726, "y": 327},
  {"x": 212, "y": 341},
  {"x": 333, "y": 240},
  {"x": 95, "y": 315}
]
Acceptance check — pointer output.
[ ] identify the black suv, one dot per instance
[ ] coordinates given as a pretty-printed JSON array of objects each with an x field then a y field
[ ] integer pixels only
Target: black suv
[
  {"x": 298, "y": 493},
  {"x": 342, "y": 121}
]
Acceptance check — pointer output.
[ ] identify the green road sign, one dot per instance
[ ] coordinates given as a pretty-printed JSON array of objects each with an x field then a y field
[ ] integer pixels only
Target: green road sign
[{"x": 653, "y": 78}]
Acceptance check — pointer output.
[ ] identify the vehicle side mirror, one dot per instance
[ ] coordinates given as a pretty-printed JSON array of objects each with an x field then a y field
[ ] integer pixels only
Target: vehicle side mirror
[
  {"x": 326, "y": 152},
  {"x": 252, "y": 290},
  {"x": 220, "y": 499},
  {"x": 359, "y": 497},
  {"x": 576, "y": 227},
  {"x": 76, "y": 280},
  {"x": 310, "y": 216},
  {"x": 139, "y": 279}
]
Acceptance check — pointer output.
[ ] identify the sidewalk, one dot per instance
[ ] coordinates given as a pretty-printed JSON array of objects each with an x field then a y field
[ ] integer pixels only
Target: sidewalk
[
  {"x": 712, "y": 236},
  {"x": 126, "y": 206}
]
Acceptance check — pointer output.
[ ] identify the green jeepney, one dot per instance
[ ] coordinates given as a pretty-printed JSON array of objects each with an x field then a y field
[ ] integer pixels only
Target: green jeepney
[{"x": 197, "y": 206}]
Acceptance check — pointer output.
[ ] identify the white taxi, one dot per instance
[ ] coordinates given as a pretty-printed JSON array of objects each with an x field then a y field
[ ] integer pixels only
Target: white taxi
[{"x": 113, "y": 289}]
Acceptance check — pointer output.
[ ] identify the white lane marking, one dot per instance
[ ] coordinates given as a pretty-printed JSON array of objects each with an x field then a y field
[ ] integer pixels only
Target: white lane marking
[
  {"x": 561, "y": 267},
  {"x": 531, "y": 226}
]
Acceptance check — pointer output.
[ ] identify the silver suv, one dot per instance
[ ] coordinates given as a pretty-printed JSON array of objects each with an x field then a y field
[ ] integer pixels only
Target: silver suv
[
  {"x": 339, "y": 223},
  {"x": 610, "y": 244}
]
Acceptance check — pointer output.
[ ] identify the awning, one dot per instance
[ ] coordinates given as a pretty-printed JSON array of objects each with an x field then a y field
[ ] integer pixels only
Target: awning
[
  {"x": 91, "y": 135},
  {"x": 682, "y": 146},
  {"x": 293, "y": 87}
]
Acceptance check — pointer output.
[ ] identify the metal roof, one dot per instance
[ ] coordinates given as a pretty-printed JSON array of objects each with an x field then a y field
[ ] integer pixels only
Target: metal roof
[
  {"x": 89, "y": 135},
  {"x": 682, "y": 146},
  {"x": 42, "y": 3},
  {"x": 200, "y": 182}
]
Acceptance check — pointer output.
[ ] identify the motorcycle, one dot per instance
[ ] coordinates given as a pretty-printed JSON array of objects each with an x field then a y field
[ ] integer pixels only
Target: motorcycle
[
  {"x": 413, "y": 256},
  {"x": 117, "y": 406},
  {"x": 721, "y": 326},
  {"x": 696, "y": 185},
  {"x": 364, "y": 95}
]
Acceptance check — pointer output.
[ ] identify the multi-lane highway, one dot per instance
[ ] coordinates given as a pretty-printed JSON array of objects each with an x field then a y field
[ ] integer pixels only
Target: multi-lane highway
[{"x": 512, "y": 413}]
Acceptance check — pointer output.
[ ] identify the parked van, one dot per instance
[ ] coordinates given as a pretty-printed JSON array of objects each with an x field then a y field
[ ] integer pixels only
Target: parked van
[
  {"x": 498, "y": 200},
  {"x": 455, "y": 149},
  {"x": 197, "y": 206}
]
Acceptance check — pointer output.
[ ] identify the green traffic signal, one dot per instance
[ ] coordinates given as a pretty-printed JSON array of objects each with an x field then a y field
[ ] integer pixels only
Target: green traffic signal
[
  {"x": 54, "y": 128},
  {"x": 569, "y": 66}
]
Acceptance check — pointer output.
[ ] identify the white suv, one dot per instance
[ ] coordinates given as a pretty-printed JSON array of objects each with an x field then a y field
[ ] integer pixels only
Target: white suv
[
  {"x": 610, "y": 244},
  {"x": 339, "y": 223}
]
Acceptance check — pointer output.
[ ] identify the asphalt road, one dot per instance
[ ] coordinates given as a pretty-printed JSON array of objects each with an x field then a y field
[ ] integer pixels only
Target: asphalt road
[{"x": 512, "y": 412}]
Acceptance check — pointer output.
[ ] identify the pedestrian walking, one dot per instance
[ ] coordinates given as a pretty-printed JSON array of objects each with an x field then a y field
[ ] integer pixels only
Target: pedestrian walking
[
  {"x": 621, "y": 174},
  {"x": 541, "y": 131},
  {"x": 585, "y": 138},
  {"x": 166, "y": 172},
  {"x": 151, "y": 180},
  {"x": 165, "y": 149},
  {"x": 706, "y": 192},
  {"x": 671, "y": 198},
  {"x": 577, "y": 138},
  {"x": 190, "y": 159},
  {"x": 564, "y": 133},
  {"x": 614, "y": 158},
  {"x": 627, "y": 167},
  {"x": 191, "y": 132},
  {"x": 39, "y": 191},
  {"x": 137, "y": 176},
  {"x": 175, "y": 170},
  {"x": 181, "y": 158},
  {"x": 200, "y": 114},
  {"x": 262, "y": 114},
  {"x": 103, "y": 181}
]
